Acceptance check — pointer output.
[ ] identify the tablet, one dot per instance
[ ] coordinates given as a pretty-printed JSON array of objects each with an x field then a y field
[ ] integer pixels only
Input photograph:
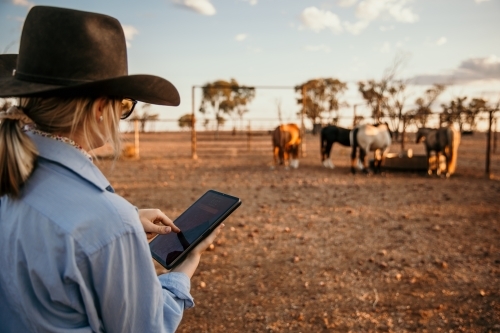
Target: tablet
[{"x": 196, "y": 223}]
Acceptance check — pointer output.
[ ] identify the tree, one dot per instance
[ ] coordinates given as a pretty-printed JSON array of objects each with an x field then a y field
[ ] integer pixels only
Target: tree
[
  {"x": 321, "y": 95},
  {"x": 144, "y": 117},
  {"x": 373, "y": 93},
  {"x": 476, "y": 106},
  {"x": 387, "y": 97},
  {"x": 186, "y": 121},
  {"x": 423, "y": 111},
  {"x": 222, "y": 97},
  {"x": 452, "y": 113}
]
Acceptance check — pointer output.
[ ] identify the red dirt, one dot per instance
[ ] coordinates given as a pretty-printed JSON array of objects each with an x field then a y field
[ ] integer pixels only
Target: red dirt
[{"x": 318, "y": 250}]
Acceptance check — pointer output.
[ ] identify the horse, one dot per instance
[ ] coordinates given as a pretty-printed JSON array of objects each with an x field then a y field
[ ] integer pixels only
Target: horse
[
  {"x": 286, "y": 142},
  {"x": 329, "y": 135},
  {"x": 376, "y": 138},
  {"x": 443, "y": 140}
]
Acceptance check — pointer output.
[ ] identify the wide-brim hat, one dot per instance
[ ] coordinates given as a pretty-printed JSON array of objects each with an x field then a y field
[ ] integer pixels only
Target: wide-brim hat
[{"x": 72, "y": 53}]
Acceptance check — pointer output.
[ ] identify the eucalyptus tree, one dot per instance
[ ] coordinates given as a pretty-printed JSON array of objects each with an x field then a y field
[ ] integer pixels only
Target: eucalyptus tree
[
  {"x": 225, "y": 98},
  {"x": 322, "y": 95},
  {"x": 423, "y": 111}
]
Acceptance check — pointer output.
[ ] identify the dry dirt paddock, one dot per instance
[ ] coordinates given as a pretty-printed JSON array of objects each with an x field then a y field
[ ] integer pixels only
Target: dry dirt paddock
[{"x": 318, "y": 250}]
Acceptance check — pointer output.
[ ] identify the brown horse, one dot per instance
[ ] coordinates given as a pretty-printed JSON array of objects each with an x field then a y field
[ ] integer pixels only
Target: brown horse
[
  {"x": 286, "y": 144},
  {"x": 444, "y": 140}
]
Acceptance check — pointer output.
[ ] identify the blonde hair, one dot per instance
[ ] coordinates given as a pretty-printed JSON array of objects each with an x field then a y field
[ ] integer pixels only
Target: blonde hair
[{"x": 66, "y": 116}]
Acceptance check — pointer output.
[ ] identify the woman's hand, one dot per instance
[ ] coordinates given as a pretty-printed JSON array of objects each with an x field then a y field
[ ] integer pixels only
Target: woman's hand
[
  {"x": 189, "y": 265},
  {"x": 155, "y": 222}
]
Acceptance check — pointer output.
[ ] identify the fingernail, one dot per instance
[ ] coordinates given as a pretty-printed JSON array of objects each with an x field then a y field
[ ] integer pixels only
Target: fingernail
[{"x": 167, "y": 229}]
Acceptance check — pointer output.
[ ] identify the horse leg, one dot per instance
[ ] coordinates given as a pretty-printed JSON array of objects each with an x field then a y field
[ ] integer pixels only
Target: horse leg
[
  {"x": 295, "y": 157},
  {"x": 429, "y": 165},
  {"x": 286, "y": 157},
  {"x": 447, "y": 158},
  {"x": 438, "y": 163},
  {"x": 362, "y": 157},
  {"x": 353, "y": 160},
  {"x": 327, "y": 162},
  {"x": 376, "y": 160},
  {"x": 276, "y": 152}
]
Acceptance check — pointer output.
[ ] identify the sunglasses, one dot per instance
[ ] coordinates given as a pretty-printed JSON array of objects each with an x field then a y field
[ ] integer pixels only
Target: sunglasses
[{"x": 128, "y": 106}]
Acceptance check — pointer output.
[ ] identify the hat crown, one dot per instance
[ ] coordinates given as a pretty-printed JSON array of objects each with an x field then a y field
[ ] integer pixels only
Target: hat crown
[{"x": 64, "y": 46}]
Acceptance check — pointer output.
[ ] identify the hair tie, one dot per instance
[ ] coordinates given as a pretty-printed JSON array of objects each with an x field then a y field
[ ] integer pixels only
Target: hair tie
[{"x": 16, "y": 113}]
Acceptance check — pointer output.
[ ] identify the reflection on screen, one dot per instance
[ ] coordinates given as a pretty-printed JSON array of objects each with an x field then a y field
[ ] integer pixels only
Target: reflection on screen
[{"x": 193, "y": 223}]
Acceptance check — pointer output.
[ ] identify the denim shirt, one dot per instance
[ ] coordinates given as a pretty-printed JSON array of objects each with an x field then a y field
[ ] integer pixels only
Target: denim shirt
[{"x": 74, "y": 257}]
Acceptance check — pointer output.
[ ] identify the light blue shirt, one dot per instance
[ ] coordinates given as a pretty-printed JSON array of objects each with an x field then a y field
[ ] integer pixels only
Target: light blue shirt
[{"x": 74, "y": 257}]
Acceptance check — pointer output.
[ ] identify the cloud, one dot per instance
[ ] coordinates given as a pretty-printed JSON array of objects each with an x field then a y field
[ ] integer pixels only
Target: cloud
[
  {"x": 402, "y": 14},
  {"x": 129, "y": 31},
  {"x": 357, "y": 27},
  {"x": 24, "y": 3},
  {"x": 203, "y": 7},
  {"x": 366, "y": 11},
  {"x": 317, "y": 48},
  {"x": 479, "y": 1},
  {"x": 441, "y": 41},
  {"x": 386, "y": 28},
  {"x": 346, "y": 3},
  {"x": 386, "y": 47},
  {"x": 251, "y": 2},
  {"x": 240, "y": 37},
  {"x": 317, "y": 19},
  {"x": 469, "y": 70},
  {"x": 369, "y": 10}
]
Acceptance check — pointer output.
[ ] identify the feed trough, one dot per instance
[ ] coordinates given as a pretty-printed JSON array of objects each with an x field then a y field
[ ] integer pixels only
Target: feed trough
[{"x": 407, "y": 161}]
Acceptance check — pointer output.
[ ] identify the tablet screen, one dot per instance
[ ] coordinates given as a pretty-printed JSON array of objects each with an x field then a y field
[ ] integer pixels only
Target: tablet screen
[{"x": 195, "y": 221}]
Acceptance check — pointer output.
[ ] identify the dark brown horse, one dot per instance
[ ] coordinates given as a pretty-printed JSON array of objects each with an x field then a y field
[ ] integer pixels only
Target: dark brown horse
[
  {"x": 443, "y": 140},
  {"x": 286, "y": 145}
]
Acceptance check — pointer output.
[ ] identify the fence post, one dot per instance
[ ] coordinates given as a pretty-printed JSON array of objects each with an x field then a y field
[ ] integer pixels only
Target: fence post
[
  {"x": 488, "y": 145},
  {"x": 403, "y": 134},
  {"x": 249, "y": 136},
  {"x": 136, "y": 137},
  {"x": 302, "y": 127},
  {"x": 194, "y": 156},
  {"x": 495, "y": 136}
]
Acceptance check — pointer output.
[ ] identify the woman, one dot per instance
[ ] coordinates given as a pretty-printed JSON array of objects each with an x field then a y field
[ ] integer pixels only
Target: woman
[{"x": 73, "y": 254}]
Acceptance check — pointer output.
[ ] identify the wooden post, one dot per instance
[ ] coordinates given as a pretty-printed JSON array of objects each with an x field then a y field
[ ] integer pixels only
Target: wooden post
[
  {"x": 488, "y": 146},
  {"x": 194, "y": 156},
  {"x": 403, "y": 134},
  {"x": 249, "y": 136},
  {"x": 136, "y": 137},
  {"x": 302, "y": 127},
  {"x": 495, "y": 136}
]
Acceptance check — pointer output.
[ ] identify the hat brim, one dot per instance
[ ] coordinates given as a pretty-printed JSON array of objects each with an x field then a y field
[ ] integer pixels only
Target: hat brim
[{"x": 145, "y": 88}]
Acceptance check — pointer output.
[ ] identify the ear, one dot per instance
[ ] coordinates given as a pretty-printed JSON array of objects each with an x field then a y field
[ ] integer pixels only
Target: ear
[{"x": 99, "y": 108}]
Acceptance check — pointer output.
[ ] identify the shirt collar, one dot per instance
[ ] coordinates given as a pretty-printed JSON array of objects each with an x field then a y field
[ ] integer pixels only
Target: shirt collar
[{"x": 67, "y": 156}]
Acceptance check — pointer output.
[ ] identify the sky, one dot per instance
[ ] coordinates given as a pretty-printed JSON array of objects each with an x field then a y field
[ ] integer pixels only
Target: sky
[{"x": 287, "y": 42}]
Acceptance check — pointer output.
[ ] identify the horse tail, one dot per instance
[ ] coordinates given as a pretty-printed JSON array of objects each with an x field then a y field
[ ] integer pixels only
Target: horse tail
[{"x": 454, "y": 142}]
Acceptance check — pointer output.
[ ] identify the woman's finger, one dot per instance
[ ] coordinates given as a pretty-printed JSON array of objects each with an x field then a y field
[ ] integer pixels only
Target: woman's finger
[{"x": 163, "y": 219}]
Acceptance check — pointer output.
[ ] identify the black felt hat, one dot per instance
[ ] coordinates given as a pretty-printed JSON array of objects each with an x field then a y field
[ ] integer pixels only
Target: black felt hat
[{"x": 71, "y": 53}]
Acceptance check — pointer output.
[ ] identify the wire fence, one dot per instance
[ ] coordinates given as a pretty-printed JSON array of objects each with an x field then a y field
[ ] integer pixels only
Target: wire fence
[{"x": 250, "y": 137}]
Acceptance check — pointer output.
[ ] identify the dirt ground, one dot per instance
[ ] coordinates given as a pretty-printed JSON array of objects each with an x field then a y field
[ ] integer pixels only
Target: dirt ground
[{"x": 319, "y": 250}]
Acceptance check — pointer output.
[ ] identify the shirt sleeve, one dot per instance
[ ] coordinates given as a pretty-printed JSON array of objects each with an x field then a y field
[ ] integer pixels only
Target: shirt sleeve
[{"x": 130, "y": 295}]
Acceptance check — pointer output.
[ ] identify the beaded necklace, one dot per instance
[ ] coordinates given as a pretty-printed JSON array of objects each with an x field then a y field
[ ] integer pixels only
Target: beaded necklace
[{"x": 62, "y": 139}]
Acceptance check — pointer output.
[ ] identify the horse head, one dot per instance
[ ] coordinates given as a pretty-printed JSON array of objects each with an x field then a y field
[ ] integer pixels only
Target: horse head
[{"x": 421, "y": 134}]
